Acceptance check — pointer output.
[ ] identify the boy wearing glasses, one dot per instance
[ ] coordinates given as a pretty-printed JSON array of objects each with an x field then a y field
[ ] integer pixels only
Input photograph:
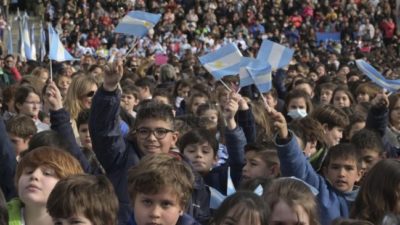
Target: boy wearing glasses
[{"x": 153, "y": 133}]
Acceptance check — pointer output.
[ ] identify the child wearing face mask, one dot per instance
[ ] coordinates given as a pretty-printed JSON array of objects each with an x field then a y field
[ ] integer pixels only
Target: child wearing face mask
[{"x": 297, "y": 105}]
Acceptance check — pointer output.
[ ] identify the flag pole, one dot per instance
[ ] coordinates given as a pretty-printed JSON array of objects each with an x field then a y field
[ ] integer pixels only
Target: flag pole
[
  {"x": 225, "y": 85},
  {"x": 51, "y": 70},
  {"x": 136, "y": 41},
  {"x": 51, "y": 66}
]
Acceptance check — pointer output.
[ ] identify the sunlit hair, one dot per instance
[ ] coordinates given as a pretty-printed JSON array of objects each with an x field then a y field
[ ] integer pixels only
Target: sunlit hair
[
  {"x": 156, "y": 172},
  {"x": 264, "y": 130},
  {"x": 294, "y": 193},
  {"x": 80, "y": 85},
  {"x": 331, "y": 115},
  {"x": 63, "y": 163},
  {"x": 87, "y": 195},
  {"x": 242, "y": 204},
  {"x": 379, "y": 193}
]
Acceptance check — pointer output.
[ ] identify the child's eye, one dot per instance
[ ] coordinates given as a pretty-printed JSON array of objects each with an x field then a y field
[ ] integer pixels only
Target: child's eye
[
  {"x": 49, "y": 172},
  {"x": 166, "y": 204},
  {"x": 146, "y": 202}
]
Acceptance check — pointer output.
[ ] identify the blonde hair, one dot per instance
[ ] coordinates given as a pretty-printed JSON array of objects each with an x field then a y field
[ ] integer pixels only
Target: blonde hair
[
  {"x": 80, "y": 85},
  {"x": 294, "y": 193}
]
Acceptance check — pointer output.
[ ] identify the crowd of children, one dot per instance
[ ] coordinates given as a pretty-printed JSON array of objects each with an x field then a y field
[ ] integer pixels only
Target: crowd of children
[{"x": 116, "y": 139}]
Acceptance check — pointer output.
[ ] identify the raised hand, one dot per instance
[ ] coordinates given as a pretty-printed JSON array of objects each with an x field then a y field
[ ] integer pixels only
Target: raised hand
[
  {"x": 232, "y": 105},
  {"x": 53, "y": 97},
  {"x": 381, "y": 100},
  {"x": 279, "y": 123},
  {"x": 112, "y": 78}
]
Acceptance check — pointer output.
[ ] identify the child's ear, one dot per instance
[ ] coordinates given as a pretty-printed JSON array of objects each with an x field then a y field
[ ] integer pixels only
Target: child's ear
[
  {"x": 274, "y": 170},
  {"x": 360, "y": 173},
  {"x": 325, "y": 126}
]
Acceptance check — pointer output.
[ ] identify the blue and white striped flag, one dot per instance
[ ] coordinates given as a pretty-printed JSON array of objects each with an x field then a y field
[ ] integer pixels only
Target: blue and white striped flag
[
  {"x": 25, "y": 45},
  {"x": 376, "y": 77},
  {"x": 226, "y": 60},
  {"x": 10, "y": 48},
  {"x": 57, "y": 51},
  {"x": 276, "y": 55},
  {"x": 258, "y": 73},
  {"x": 32, "y": 52},
  {"x": 42, "y": 43},
  {"x": 137, "y": 23}
]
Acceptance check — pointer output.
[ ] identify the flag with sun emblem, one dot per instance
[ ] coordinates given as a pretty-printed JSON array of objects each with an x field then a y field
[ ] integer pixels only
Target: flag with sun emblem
[
  {"x": 226, "y": 60},
  {"x": 137, "y": 23}
]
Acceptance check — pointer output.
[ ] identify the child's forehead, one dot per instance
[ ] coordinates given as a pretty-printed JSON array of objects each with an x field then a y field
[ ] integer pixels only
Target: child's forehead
[
  {"x": 155, "y": 123},
  {"x": 344, "y": 161}
]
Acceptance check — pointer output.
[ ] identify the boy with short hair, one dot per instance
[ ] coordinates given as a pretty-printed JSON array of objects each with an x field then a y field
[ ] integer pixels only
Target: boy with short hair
[
  {"x": 146, "y": 87},
  {"x": 262, "y": 162},
  {"x": 160, "y": 189},
  {"x": 84, "y": 199},
  {"x": 20, "y": 129},
  {"x": 370, "y": 148},
  {"x": 129, "y": 99},
  {"x": 341, "y": 169}
]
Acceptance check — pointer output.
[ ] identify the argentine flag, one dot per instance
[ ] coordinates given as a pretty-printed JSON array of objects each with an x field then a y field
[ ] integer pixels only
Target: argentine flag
[
  {"x": 25, "y": 47},
  {"x": 32, "y": 52},
  {"x": 276, "y": 55},
  {"x": 57, "y": 51},
  {"x": 42, "y": 43},
  {"x": 226, "y": 60},
  {"x": 10, "y": 48},
  {"x": 137, "y": 23},
  {"x": 258, "y": 73},
  {"x": 376, "y": 77}
]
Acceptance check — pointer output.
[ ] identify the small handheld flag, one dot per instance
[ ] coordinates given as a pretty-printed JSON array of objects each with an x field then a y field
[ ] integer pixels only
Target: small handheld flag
[
  {"x": 377, "y": 77},
  {"x": 57, "y": 51},
  {"x": 227, "y": 60},
  {"x": 278, "y": 56},
  {"x": 137, "y": 23}
]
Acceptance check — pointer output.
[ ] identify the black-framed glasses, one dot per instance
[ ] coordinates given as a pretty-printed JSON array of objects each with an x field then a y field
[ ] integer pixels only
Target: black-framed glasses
[{"x": 145, "y": 132}]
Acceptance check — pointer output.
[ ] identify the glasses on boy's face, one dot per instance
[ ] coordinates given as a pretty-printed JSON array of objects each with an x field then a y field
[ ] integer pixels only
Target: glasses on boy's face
[{"x": 159, "y": 133}]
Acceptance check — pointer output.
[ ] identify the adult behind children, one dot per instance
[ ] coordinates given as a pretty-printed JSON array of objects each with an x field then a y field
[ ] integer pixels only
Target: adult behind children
[
  {"x": 37, "y": 173},
  {"x": 378, "y": 194},
  {"x": 28, "y": 102},
  {"x": 79, "y": 97},
  {"x": 242, "y": 208},
  {"x": 83, "y": 199}
]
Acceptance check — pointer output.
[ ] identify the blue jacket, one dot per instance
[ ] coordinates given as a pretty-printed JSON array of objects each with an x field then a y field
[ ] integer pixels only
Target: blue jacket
[
  {"x": 332, "y": 203},
  {"x": 117, "y": 155},
  {"x": 217, "y": 177},
  {"x": 60, "y": 122},
  {"x": 8, "y": 163}
]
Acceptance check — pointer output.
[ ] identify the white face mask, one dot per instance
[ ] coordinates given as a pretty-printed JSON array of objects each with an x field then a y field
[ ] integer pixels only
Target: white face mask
[{"x": 297, "y": 113}]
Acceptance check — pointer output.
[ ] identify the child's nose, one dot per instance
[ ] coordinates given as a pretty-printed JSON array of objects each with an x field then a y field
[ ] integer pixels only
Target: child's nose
[{"x": 155, "y": 211}]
